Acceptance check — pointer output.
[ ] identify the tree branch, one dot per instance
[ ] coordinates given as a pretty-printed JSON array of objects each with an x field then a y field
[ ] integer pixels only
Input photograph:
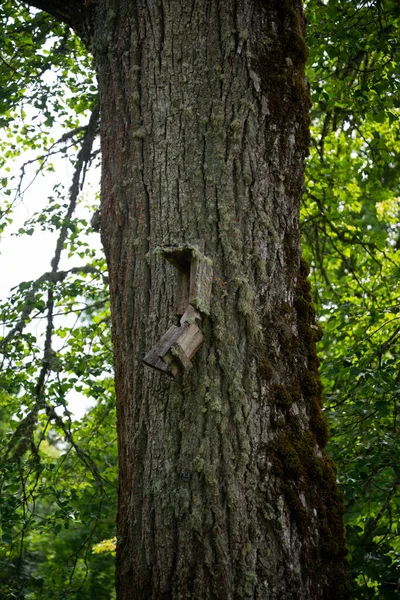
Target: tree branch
[
  {"x": 55, "y": 275},
  {"x": 75, "y": 13},
  {"x": 68, "y": 11}
]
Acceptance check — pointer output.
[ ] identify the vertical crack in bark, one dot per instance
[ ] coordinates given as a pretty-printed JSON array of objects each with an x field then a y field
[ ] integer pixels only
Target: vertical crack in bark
[
  {"x": 147, "y": 211},
  {"x": 161, "y": 38}
]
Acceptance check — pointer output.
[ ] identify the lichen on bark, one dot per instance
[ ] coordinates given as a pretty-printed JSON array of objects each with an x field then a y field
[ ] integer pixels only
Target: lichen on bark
[{"x": 225, "y": 491}]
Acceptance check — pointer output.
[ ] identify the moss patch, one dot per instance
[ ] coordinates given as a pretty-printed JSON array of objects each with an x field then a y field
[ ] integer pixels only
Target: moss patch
[
  {"x": 296, "y": 463},
  {"x": 309, "y": 334},
  {"x": 306, "y": 473},
  {"x": 280, "y": 66},
  {"x": 265, "y": 369}
]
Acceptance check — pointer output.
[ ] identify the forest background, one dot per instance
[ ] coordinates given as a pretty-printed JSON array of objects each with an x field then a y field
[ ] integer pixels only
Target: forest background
[{"x": 58, "y": 473}]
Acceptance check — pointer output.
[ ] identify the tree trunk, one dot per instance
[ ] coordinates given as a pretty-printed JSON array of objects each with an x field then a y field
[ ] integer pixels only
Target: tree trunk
[{"x": 224, "y": 489}]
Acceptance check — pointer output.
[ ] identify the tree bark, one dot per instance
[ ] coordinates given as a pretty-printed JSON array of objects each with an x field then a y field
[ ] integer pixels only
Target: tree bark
[{"x": 225, "y": 491}]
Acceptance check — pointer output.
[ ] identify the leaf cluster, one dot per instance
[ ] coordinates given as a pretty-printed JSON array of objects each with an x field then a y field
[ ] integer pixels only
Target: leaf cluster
[
  {"x": 57, "y": 473},
  {"x": 351, "y": 230}
]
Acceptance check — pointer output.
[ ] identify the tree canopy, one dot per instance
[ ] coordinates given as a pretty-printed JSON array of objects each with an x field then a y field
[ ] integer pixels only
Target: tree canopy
[{"x": 58, "y": 474}]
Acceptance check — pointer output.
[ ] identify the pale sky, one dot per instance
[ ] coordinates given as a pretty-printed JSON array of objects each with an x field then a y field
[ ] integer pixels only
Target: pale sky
[{"x": 25, "y": 258}]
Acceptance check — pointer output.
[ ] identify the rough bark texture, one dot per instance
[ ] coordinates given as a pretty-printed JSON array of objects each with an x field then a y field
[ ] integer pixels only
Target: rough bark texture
[{"x": 224, "y": 489}]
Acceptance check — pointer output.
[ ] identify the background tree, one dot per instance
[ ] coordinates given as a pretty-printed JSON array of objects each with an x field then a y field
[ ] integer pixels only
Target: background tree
[
  {"x": 335, "y": 233},
  {"x": 351, "y": 232},
  {"x": 57, "y": 474}
]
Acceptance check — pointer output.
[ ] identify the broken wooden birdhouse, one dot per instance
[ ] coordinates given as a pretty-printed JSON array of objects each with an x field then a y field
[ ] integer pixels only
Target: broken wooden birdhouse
[{"x": 173, "y": 352}]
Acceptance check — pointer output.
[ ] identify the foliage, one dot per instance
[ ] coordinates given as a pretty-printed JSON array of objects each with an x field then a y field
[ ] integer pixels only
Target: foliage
[
  {"x": 351, "y": 232},
  {"x": 57, "y": 474},
  {"x": 106, "y": 546}
]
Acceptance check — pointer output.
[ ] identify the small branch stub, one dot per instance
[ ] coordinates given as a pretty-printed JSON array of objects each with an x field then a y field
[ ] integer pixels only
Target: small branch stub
[{"x": 174, "y": 351}]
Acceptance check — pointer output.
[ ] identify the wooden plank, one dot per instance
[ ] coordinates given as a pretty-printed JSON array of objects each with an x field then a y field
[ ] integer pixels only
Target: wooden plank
[
  {"x": 183, "y": 348},
  {"x": 182, "y": 293},
  {"x": 191, "y": 315},
  {"x": 201, "y": 274},
  {"x": 173, "y": 352},
  {"x": 181, "y": 357},
  {"x": 190, "y": 339},
  {"x": 153, "y": 357}
]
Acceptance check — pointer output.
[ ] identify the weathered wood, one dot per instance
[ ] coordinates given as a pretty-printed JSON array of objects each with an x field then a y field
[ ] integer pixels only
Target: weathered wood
[
  {"x": 195, "y": 276},
  {"x": 177, "y": 360},
  {"x": 182, "y": 348},
  {"x": 190, "y": 339},
  {"x": 175, "y": 349},
  {"x": 178, "y": 352},
  {"x": 154, "y": 357},
  {"x": 201, "y": 273},
  {"x": 182, "y": 292},
  {"x": 178, "y": 345},
  {"x": 172, "y": 364},
  {"x": 191, "y": 314}
]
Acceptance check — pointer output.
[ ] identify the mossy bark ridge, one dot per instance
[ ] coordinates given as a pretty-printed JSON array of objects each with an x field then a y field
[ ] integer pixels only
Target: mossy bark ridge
[{"x": 225, "y": 491}]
